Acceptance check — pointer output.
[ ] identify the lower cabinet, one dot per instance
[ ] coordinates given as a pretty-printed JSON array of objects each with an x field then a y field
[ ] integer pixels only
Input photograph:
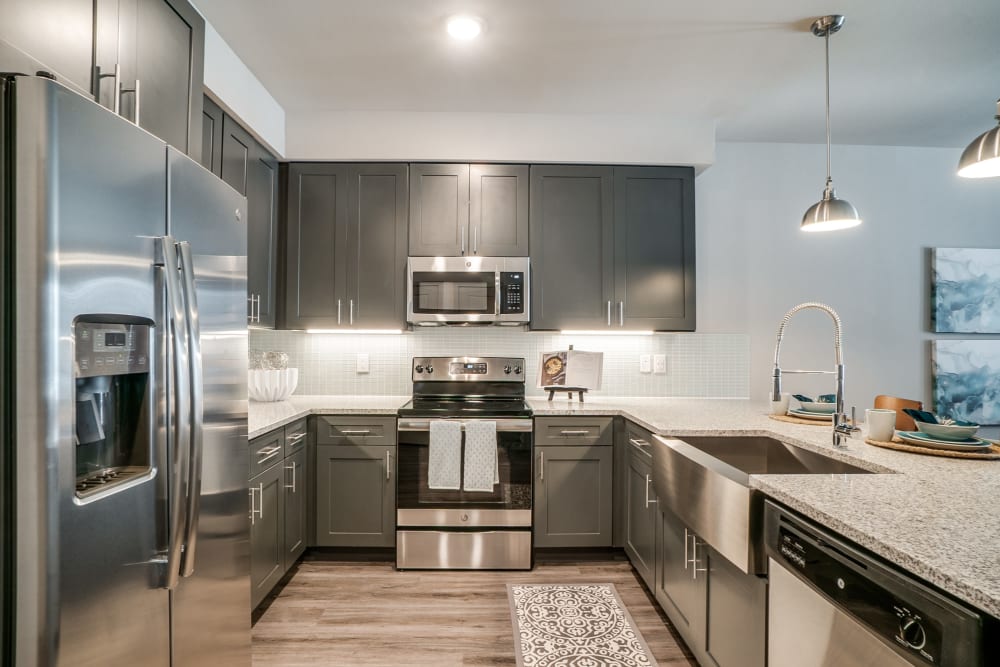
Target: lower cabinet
[
  {"x": 641, "y": 511},
  {"x": 573, "y": 496},
  {"x": 681, "y": 582},
  {"x": 356, "y": 495},
  {"x": 296, "y": 506},
  {"x": 267, "y": 505}
]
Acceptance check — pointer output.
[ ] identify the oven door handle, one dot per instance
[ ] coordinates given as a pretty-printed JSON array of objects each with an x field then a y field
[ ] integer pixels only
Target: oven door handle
[{"x": 503, "y": 425}]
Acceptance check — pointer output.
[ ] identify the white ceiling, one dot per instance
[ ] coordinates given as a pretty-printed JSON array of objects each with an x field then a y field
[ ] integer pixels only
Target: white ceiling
[{"x": 904, "y": 72}]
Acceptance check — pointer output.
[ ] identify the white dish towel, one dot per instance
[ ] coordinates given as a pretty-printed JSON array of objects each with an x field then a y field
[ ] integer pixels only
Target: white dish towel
[
  {"x": 444, "y": 462},
  {"x": 482, "y": 471}
]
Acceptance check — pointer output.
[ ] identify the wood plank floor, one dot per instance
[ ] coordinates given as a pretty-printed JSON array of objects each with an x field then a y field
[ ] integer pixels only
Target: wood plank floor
[{"x": 363, "y": 613}]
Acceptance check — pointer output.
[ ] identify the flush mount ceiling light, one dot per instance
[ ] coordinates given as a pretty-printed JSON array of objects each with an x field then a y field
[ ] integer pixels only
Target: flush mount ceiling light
[
  {"x": 465, "y": 28},
  {"x": 831, "y": 212},
  {"x": 981, "y": 159}
]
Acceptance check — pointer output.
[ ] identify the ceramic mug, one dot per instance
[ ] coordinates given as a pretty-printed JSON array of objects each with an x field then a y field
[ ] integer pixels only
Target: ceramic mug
[
  {"x": 780, "y": 407},
  {"x": 881, "y": 424}
]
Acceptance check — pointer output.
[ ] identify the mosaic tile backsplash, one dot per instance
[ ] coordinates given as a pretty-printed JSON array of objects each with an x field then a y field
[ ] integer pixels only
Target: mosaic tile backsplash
[{"x": 699, "y": 365}]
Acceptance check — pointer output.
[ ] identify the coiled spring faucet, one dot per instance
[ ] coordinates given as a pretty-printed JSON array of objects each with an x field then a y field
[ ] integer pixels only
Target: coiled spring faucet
[{"x": 841, "y": 427}]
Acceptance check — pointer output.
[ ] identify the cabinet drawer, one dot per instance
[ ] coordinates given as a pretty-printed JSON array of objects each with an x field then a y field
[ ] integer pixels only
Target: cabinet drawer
[
  {"x": 265, "y": 451},
  {"x": 579, "y": 431},
  {"x": 296, "y": 434},
  {"x": 336, "y": 430},
  {"x": 640, "y": 441}
]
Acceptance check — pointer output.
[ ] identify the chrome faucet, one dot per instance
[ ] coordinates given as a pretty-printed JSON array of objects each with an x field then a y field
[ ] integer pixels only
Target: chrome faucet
[{"x": 841, "y": 426}]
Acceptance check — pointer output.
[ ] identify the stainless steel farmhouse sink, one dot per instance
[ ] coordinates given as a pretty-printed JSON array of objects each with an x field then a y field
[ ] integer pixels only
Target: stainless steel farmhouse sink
[{"x": 705, "y": 481}]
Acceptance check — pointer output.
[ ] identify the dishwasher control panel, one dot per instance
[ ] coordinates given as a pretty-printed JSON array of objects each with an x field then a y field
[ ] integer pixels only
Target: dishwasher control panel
[{"x": 918, "y": 622}]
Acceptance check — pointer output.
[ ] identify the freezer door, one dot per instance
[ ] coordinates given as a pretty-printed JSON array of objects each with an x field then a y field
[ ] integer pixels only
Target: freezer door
[
  {"x": 89, "y": 198},
  {"x": 211, "y": 604}
]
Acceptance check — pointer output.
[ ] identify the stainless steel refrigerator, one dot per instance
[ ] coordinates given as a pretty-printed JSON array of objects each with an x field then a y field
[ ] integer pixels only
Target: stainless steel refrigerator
[{"x": 123, "y": 399}]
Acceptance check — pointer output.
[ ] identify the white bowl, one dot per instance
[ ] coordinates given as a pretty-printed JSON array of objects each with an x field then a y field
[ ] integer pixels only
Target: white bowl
[
  {"x": 951, "y": 432},
  {"x": 269, "y": 386},
  {"x": 819, "y": 408}
]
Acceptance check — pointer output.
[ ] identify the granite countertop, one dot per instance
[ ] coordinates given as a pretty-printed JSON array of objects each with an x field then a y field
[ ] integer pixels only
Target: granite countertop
[{"x": 934, "y": 518}]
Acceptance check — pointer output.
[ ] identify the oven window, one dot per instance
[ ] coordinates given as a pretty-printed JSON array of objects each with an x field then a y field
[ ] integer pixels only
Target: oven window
[
  {"x": 513, "y": 491},
  {"x": 454, "y": 292}
]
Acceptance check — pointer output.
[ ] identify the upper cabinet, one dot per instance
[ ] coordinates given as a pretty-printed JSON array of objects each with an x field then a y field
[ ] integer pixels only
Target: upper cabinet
[
  {"x": 461, "y": 209},
  {"x": 346, "y": 246},
  {"x": 143, "y": 59},
  {"x": 612, "y": 248}
]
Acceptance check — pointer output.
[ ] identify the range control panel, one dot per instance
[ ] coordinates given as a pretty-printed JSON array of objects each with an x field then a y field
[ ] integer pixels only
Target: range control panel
[
  {"x": 111, "y": 349},
  {"x": 468, "y": 369},
  {"x": 511, "y": 292}
]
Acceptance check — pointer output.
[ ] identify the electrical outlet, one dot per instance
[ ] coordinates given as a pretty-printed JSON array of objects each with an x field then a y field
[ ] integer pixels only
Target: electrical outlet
[
  {"x": 362, "y": 363},
  {"x": 645, "y": 363},
  {"x": 660, "y": 364}
]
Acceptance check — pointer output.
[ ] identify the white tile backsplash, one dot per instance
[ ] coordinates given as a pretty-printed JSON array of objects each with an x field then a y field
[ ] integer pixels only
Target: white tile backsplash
[{"x": 709, "y": 365}]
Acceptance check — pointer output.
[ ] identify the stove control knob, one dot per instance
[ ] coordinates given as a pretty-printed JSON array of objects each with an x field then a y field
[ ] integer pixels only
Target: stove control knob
[
  {"x": 430, "y": 369},
  {"x": 912, "y": 633},
  {"x": 419, "y": 369},
  {"x": 517, "y": 370},
  {"x": 506, "y": 369}
]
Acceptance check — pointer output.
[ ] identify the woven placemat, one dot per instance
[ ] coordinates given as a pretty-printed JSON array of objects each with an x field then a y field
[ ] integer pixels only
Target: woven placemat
[
  {"x": 992, "y": 453},
  {"x": 799, "y": 420}
]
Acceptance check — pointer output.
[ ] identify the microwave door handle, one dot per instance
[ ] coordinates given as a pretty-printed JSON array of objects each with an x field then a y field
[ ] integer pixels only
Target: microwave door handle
[
  {"x": 496, "y": 291},
  {"x": 196, "y": 380},
  {"x": 178, "y": 408}
]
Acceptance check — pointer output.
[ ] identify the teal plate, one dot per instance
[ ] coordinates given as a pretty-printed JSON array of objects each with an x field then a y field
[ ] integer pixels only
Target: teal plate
[{"x": 918, "y": 438}]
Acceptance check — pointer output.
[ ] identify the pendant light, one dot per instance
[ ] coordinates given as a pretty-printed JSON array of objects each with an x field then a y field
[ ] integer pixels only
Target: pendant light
[
  {"x": 831, "y": 212},
  {"x": 981, "y": 159}
]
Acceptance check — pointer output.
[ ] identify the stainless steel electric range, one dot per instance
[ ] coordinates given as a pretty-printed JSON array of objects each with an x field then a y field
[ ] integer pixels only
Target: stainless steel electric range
[{"x": 456, "y": 529}]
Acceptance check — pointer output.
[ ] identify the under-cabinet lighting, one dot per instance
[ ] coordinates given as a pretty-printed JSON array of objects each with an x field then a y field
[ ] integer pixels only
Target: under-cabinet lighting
[
  {"x": 354, "y": 331},
  {"x": 605, "y": 332}
]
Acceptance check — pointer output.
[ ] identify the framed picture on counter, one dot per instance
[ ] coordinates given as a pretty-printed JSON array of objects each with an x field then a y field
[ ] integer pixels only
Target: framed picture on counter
[{"x": 966, "y": 290}]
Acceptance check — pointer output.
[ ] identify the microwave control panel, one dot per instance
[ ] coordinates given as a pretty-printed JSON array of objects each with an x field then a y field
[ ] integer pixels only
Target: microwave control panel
[{"x": 511, "y": 292}]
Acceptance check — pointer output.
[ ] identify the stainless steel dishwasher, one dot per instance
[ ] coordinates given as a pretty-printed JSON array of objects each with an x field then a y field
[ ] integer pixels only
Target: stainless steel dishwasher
[{"x": 833, "y": 605}]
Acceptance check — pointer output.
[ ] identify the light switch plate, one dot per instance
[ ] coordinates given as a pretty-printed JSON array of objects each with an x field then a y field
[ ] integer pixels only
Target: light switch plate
[
  {"x": 362, "y": 363},
  {"x": 645, "y": 363},
  {"x": 660, "y": 364}
]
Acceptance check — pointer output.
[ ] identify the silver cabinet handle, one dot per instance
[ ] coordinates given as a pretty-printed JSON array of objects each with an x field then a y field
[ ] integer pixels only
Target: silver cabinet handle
[
  {"x": 292, "y": 468},
  {"x": 641, "y": 444},
  {"x": 621, "y": 313},
  {"x": 463, "y": 239},
  {"x": 253, "y": 505},
  {"x": 260, "y": 509},
  {"x": 136, "y": 90},
  {"x": 694, "y": 558},
  {"x": 541, "y": 466},
  {"x": 118, "y": 88},
  {"x": 269, "y": 453},
  {"x": 293, "y": 439},
  {"x": 609, "y": 313},
  {"x": 351, "y": 311},
  {"x": 648, "y": 501},
  {"x": 388, "y": 464},
  {"x": 687, "y": 561},
  {"x": 366, "y": 431},
  {"x": 254, "y": 509},
  {"x": 257, "y": 301},
  {"x": 475, "y": 241},
  {"x": 250, "y": 316},
  {"x": 574, "y": 432},
  {"x": 338, "y": 311}
]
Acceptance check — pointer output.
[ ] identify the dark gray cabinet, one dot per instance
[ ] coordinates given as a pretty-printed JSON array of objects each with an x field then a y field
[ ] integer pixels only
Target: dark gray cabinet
[
  {"x": 267, "y": 507},
  {"x": 212, "y": 119},
  {"x": 681, "y": 582},
  {"x": 574, "y": 481},
  {"x": 355, "y": 495},
  {"x": 461, "y": 209},
  {"x": 612, "y": 247},
  {"x": 296, "y": 507},
  {"x": 344, "y": 220},
  {"x": 641, "y": 512}
]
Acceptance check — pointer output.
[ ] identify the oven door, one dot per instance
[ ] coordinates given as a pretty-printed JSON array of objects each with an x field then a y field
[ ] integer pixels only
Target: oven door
[
  {"x": 452, "y": 289},
  {"x": 508, "y": 505}
]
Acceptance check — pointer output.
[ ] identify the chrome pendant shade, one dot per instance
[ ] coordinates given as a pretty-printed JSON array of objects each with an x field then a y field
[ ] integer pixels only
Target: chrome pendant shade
[
  {"x": 981, "y": 158},
  {"x": 831, "y": 212}
]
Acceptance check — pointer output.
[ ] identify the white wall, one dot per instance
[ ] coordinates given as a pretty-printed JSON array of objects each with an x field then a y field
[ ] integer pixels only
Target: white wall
[
  {"x": 611, "y": 138},
  {"x": 754, "y": 263},
  {"x": 236, "y": 87}
]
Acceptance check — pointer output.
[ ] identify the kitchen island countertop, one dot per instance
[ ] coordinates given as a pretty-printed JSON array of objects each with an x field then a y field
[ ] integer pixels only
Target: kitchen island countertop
[{"x": 934, "y": 517}]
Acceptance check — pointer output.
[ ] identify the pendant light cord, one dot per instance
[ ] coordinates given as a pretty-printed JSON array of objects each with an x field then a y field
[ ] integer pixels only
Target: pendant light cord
[{"x": 829, "y": 179}]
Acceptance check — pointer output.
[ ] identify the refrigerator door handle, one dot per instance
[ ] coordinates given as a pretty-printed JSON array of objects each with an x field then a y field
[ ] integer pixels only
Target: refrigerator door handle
[
  {"x": 196, "y": 383},
  {"x": 178, "y": 403}
]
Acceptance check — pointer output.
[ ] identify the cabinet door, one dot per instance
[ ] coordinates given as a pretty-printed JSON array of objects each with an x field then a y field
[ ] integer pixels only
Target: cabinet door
[
  {"x": 161, "y": 46},
  {"x": 318, "y": 196},
  {"x": 572, "y": 244},
  {"x": 641, "y": 515},
  {"x": 737, "y": 614},
  {"x": 355, "y": 496},
  {"x": 262, "y": 234},
  {"x": 211, "y": 136},
  {"x": 654, "y": 248},
  {"x": 375, "y": 252},
  {"x": 57, "y": 34},
  {"x": 266, "y": 532},
  {"x": 498, "y": 210},
  {"x": 237, "y": 145},
  {"x": 681, "y": 582},
  {"x": 573, "y": 496},
  {"x": 439, "y": 210},
  {"x": 296, "y": 491}
]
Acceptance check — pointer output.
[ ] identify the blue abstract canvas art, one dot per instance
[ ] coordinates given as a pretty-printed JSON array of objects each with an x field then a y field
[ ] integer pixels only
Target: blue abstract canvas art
[
  {"x": 967, "y": 380},
  {"x": 966, "y": 290}
]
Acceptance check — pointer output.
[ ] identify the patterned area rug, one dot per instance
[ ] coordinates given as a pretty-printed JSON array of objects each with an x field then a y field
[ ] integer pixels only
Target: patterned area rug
[{"x": 562, "y": 625}]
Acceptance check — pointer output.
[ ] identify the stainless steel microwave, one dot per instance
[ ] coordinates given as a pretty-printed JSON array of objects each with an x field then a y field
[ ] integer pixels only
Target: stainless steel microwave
[{"x": 467, "y": 290}]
